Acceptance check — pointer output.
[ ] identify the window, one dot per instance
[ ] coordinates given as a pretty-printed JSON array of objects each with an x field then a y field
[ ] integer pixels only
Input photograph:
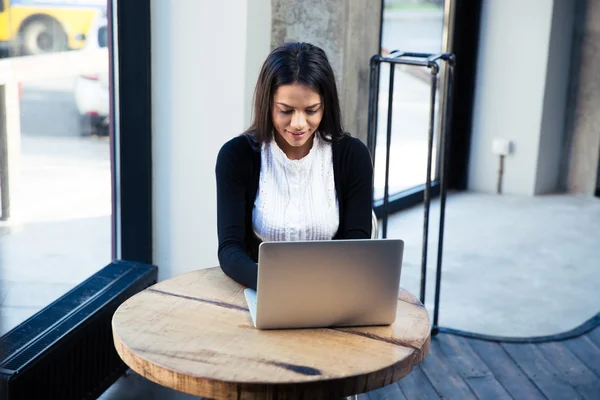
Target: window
[{"x": 57, "y": 224}]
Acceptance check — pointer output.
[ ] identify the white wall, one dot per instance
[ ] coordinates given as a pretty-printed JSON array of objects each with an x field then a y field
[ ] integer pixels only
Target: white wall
[
  {"x": 517, "y": 94},
  {"x": 259, "y": 40},
  {"x": 199, "y": 70}
]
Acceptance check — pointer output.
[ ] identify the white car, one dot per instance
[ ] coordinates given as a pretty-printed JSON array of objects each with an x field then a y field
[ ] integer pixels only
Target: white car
[{"x": 92, "y": 91}]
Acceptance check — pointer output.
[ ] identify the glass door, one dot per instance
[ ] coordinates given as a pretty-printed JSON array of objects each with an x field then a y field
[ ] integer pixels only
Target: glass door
[{"x": 408, "y": 26}]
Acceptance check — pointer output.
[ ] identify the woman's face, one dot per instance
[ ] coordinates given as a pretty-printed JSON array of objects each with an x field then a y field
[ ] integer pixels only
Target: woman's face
[{"x": 297, "y": 113}]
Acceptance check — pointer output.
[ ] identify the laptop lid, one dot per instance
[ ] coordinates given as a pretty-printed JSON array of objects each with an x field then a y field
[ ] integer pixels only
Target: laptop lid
[{"x": 311, "y": 284}]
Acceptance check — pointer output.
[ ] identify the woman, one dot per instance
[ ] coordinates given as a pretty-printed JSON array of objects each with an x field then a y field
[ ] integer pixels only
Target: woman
[{"x": 294, "y": 174}]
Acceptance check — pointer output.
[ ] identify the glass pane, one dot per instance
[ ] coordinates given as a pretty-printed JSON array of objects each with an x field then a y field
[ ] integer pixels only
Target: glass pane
[
  {"x": 410, "y": 26},
  {"x": 56, "y": 225}
]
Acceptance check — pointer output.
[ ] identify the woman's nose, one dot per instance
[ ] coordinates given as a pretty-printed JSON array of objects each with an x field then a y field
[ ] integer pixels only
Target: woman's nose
[{"x": 298, "y": 121}]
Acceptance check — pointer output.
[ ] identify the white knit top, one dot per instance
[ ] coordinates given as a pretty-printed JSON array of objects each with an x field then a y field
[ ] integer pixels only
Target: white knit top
[{"x": 296, "y": 199}]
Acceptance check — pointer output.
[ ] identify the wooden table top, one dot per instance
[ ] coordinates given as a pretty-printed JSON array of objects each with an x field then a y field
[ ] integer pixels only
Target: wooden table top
[{"x": 193, "y": 333}]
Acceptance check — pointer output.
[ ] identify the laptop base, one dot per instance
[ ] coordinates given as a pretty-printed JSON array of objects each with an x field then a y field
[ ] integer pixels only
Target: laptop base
[{"x": 251, "y": 300}]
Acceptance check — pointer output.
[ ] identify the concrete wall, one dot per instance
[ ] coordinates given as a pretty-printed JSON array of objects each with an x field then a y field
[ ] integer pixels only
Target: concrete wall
[
  {"x": 348, "y": 31},
  {"x": 555, "y": 98},
  {"x": 522, "y": 76},
  {"x": 584, "y": 146},
  {"x": 201, "y": 61}
]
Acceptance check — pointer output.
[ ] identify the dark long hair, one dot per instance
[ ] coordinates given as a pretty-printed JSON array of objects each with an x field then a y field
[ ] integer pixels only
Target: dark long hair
[{"x": 301, "y": 63}]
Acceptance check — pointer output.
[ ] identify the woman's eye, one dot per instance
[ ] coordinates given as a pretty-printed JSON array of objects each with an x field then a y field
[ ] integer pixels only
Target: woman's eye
[{"x": 288, "y": 112}]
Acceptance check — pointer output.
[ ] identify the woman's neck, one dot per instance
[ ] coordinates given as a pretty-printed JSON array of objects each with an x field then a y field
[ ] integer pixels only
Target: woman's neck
[{"x": 295, "y": 153}]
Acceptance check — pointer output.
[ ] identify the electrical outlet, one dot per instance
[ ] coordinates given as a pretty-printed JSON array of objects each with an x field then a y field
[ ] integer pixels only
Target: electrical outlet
[{"x": 501, "y": 147}]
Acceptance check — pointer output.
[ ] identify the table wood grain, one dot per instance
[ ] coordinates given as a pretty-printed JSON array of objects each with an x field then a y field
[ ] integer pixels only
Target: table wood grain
[{"x": 193, "y": 333}]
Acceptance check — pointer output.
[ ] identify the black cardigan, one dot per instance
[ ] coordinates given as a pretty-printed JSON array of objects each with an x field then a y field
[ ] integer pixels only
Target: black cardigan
[{"x": 237, "y": 175}]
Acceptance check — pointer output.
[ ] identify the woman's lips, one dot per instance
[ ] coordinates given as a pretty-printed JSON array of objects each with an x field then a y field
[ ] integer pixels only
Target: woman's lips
[{"x": 297, "y": 134}]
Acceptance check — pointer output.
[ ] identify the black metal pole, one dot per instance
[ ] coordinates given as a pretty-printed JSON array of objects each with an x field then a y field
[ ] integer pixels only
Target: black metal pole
[
  {"x": 373, "y": 107},
  {"x": 430, "y": 61},
  {"x": 427, "y": 195},
  {"x": 445, "y": 145},
  {"x": 417, "y": 63},
  {"x": 388, "y": 144}
]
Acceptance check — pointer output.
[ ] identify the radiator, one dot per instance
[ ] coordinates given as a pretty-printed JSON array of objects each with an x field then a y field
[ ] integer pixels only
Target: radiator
[{"x": 66, "y": 350}]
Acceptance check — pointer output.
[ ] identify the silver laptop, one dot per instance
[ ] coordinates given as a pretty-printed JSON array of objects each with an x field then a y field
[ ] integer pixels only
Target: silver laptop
[{"x": 313, "y": 284}]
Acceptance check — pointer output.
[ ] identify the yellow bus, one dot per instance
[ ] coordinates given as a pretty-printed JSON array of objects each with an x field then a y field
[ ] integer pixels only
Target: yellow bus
[{"x": 29, "y": 27}]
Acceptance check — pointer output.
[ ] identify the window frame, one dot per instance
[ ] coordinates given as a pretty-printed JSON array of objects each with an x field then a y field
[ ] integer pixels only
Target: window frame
[{"x": 131, "y": 129}]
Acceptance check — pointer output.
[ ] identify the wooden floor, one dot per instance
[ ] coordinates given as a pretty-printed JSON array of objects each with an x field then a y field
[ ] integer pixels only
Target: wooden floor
[{"x": 464, "y": 368}]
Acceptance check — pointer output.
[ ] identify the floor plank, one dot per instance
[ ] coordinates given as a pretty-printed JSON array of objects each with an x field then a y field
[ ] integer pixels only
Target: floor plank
[
  {"x": 445, "y": 380},
  {"x": 506, "y": 371},
  {"x": 543, "y": 373},
  {"x": 572, "y": 371},
  {"x": 457, "y": 367},
  {"x": 416, "y": 386},
  {"x": 594, "y": 336},
  {"x": 586, "y": 351},
  {"x": 471, "y": 368},
  {"x": 389, "y": 392}
]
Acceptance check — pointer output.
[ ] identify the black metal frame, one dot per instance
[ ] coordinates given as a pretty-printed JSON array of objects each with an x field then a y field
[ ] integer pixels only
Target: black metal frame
[
  {"x": 404, "y": 199},
  {"x": 131, "y": 129},
  {"x": 430, "y": 61}
]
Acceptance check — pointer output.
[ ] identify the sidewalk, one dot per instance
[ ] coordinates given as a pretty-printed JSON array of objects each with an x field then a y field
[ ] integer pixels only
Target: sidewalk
[{"x": 64, "y": 232}]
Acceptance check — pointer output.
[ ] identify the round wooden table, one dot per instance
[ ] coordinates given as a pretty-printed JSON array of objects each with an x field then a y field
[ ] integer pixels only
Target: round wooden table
[{"x": 193, "y": 333}]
